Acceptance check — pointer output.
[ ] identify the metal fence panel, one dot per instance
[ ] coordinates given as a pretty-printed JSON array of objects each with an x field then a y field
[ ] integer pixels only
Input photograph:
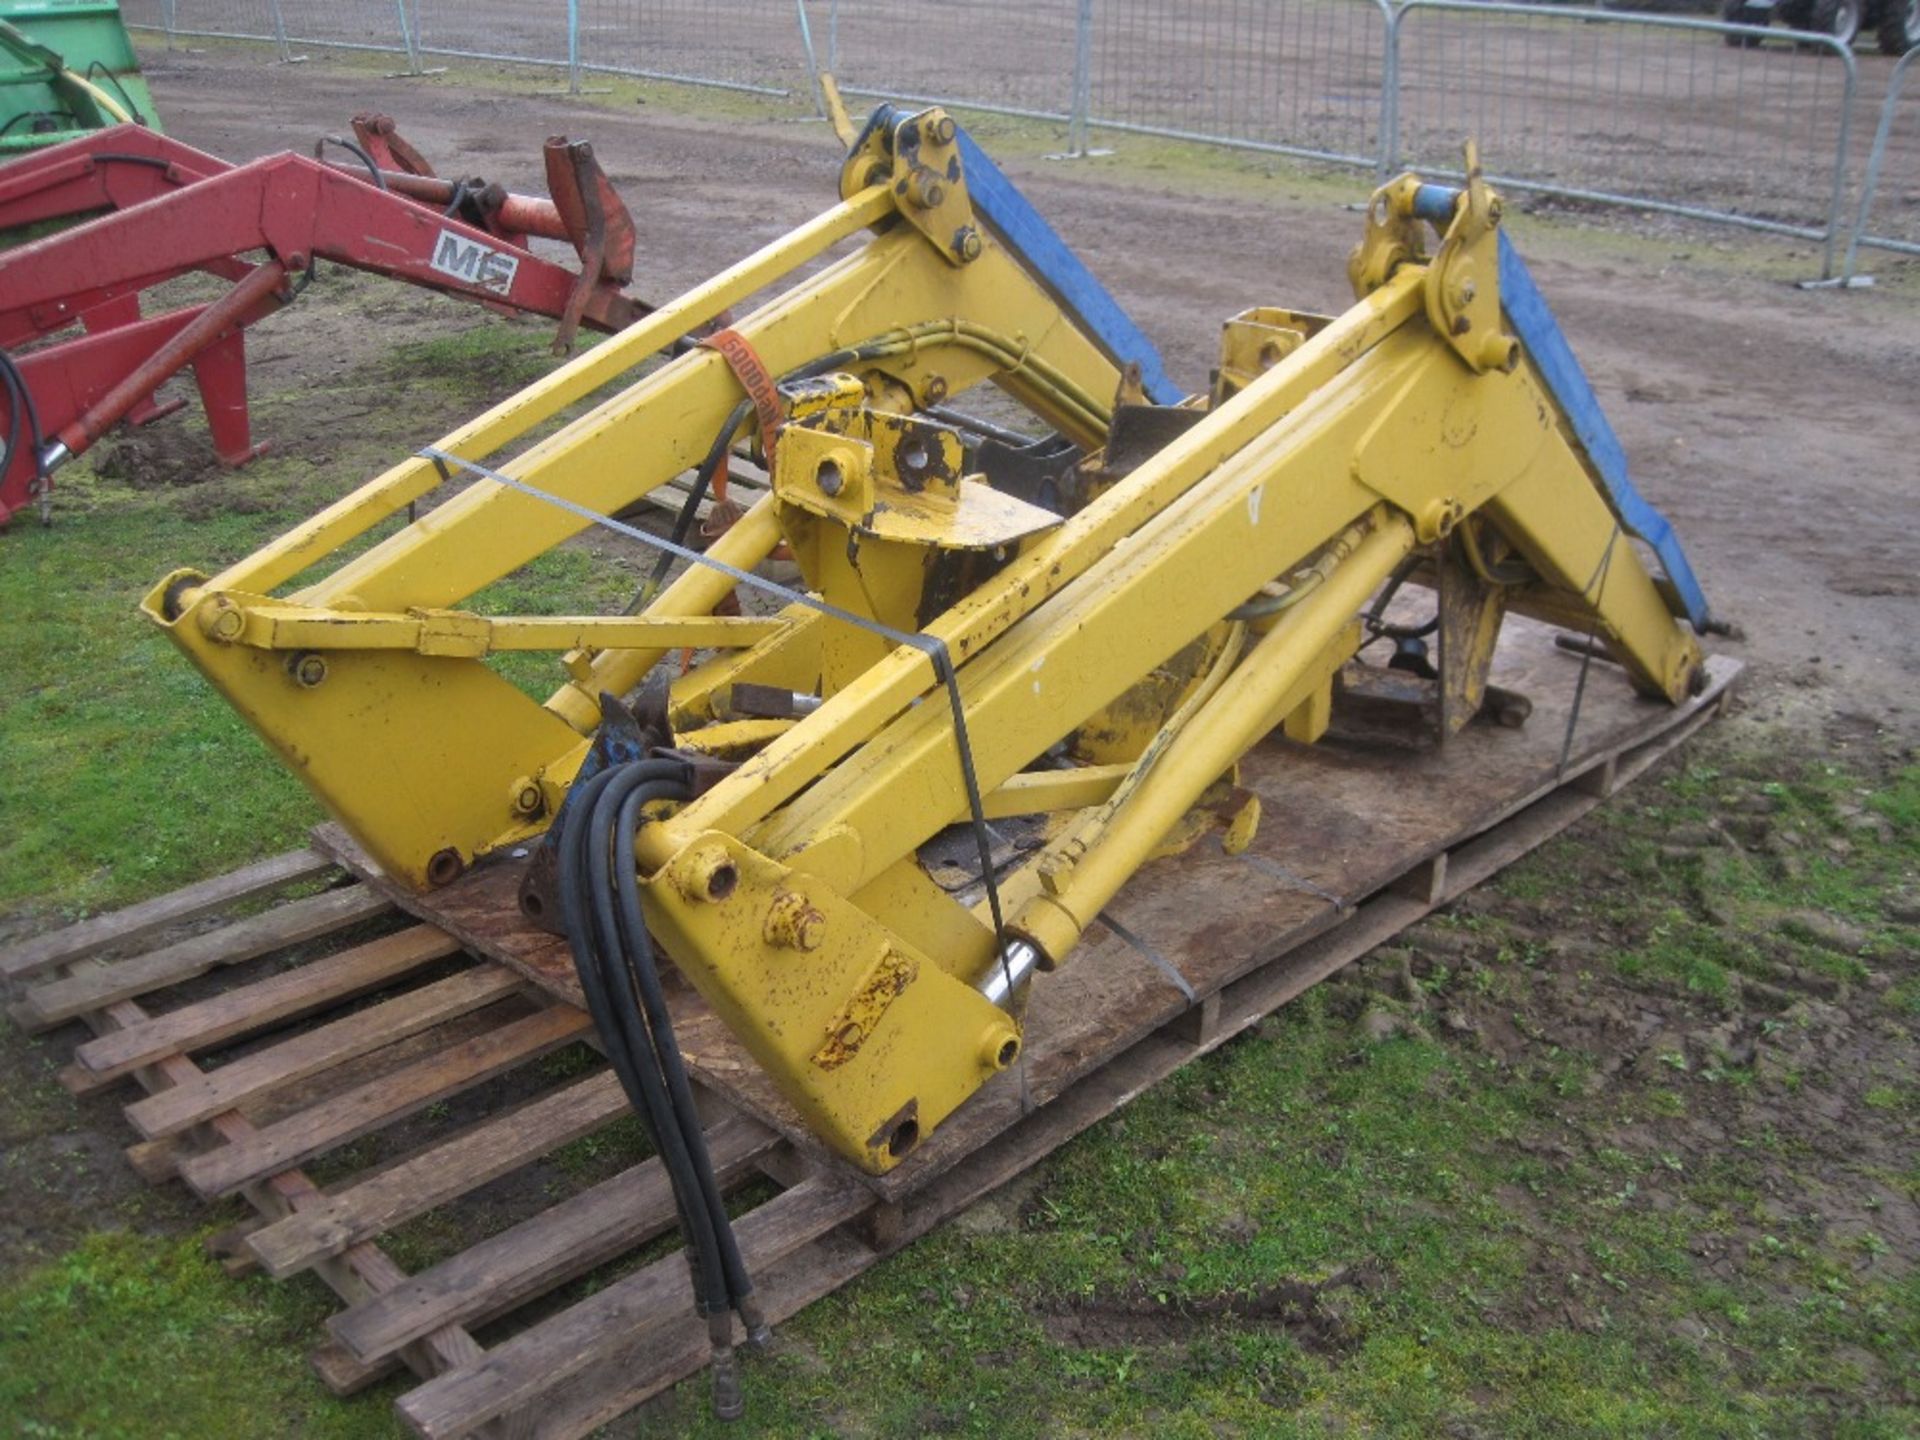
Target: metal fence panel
[
  {"x": 530, "y": 33},
  {"x": 745, "y": 44},
  {"x": 1304, "y": 77},
  {"x": 1644, "y": 110},
  {"x": 1725, "y": 123},
  {"x": 244, "y": 19},
  {"x": 1889, "y": 213},
  {"x": 999, "y": 55},
  {"x": 343, "y": 24},
  {"x": 742, "y": 44},
  {"x": 384, "y": 25}
]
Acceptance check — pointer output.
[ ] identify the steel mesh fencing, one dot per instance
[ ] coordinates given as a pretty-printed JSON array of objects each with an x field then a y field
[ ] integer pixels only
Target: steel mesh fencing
[
  {"x": 1889, "y": 213},
  {"x": 1693, "y": 117},
  {"x": 996, "y": 55},
  {"x": 1302, "y": 77},
  {"x": 1726, "y": 123},
  {"x": 533, "y": 34},
  {"x": 219, "y": 19},
  {"x": 380, "y": 25},
  {"x": 743, "y": 45}
]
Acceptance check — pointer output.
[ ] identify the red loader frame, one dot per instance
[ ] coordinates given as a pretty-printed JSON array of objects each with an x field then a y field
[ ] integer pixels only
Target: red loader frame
[{"x": 172, "y": 210}]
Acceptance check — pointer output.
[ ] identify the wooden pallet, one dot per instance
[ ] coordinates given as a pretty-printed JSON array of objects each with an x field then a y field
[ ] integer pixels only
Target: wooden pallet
[{"x": 391, "y": 1024}]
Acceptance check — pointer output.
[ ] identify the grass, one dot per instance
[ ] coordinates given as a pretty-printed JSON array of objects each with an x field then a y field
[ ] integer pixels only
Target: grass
[
  {"x": 139, "y": 1337},
  {"x": 1303, "y": 1152},
  {"x": 1453, "y": 1232},
  {"x": 125, "y": 743},
  {"x": 113, "y": 746}
]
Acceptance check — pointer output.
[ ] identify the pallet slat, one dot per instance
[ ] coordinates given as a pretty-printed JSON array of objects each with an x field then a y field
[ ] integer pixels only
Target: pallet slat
[
  {"x": 94, "y": 985},
  {"x": 260, "y": 1074},
  {"x": 363, "y": 1271},
  {"x": 650, "y": 1363},
  {"x": 541, "y": 1252},
  {"x": 122, "y": 927},
  {"x": 441, "y": 1173},
  {"x": 342, "y": 1118},
  {"x": 254, "y": 1007},
  {"x": 523, "y": 1368}
]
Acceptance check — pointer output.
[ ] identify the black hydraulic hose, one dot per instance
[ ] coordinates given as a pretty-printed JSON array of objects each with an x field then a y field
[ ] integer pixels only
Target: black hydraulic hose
[
  {"x": 631, "y": 1053},
  {"x": 606, "y": 928},
  {"x": 676, "y": 1128},
  {"x": 1378, "y": 628},
  {"x": 121, "y": 157},
  {"x": 12, "y": 443},
  {"x": 100, "y": 69},
  {"x": 353, "y": 149},
  {"x": 460, "y": 193},
  {"x": 588, "y": 931},
  {"x": 985, "y": 429},
  {"x": 647, "y": 780},
  {"x": 683, "y": 523},
  {"x": 41, "y": 115},
  {"x": 638, "y": 951}
]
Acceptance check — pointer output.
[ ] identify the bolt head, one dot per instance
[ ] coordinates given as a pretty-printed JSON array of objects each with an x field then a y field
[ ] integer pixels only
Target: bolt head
[
  {"x": 794, "y": 924},
  {"x": 707, "y": 875},
  {"x": 309, "y": 670},
  {"x": 999, "y": 1048},
  {"x": 225, "y": 622}
]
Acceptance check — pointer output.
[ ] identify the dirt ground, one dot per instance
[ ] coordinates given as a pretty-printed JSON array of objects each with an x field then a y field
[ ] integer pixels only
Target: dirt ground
[{"x": 1775, "y": 427}]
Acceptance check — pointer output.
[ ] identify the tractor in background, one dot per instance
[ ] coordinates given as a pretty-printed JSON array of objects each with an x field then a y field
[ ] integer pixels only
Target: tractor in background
[{"x": 1895, "y": 23}]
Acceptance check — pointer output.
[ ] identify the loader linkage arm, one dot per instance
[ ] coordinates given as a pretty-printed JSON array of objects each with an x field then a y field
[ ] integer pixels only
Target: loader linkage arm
[
  {"x": 171, "y": 210},
  {"x": 1097, "y": 648}
]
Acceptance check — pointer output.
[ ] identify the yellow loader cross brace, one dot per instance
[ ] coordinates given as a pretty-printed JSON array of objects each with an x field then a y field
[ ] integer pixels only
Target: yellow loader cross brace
[{"x": 1117, "y": 638}]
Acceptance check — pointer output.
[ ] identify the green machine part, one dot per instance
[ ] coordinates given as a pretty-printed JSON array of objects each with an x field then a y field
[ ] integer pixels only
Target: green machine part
[{"x": 66, "y": 67}]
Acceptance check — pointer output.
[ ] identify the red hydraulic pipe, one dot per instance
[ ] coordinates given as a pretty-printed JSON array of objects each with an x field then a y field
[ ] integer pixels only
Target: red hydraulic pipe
[{"x": 506, "y": 212}]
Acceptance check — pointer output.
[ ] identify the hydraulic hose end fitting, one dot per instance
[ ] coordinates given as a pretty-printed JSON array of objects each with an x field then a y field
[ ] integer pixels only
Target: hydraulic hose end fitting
[{"x": 729, "y": 1400}]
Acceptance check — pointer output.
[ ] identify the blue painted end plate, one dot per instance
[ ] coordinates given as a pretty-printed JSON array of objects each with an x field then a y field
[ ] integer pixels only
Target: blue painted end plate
[
  {"x": 1532, "y": 320},
  {"x": 1052, "y": 261}
]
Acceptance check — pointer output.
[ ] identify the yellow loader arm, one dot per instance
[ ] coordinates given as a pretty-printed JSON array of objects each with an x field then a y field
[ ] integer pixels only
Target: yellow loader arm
[{"x": 1100, "y": 649}]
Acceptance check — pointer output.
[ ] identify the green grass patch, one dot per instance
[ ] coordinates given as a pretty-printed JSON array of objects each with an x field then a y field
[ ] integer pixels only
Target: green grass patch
[{"x": 145, "y": 1337}]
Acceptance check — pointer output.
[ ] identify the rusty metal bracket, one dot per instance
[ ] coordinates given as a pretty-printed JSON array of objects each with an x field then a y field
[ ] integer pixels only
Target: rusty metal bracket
[
  {"x": 380, "y": 137},
  {"x": 598, "y": 223}
]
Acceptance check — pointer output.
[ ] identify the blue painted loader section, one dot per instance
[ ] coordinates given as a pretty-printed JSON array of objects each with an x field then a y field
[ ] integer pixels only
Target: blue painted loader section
[
  {"x": 1040, "y": 248},
  {"x": 1533, "y": 322}
]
